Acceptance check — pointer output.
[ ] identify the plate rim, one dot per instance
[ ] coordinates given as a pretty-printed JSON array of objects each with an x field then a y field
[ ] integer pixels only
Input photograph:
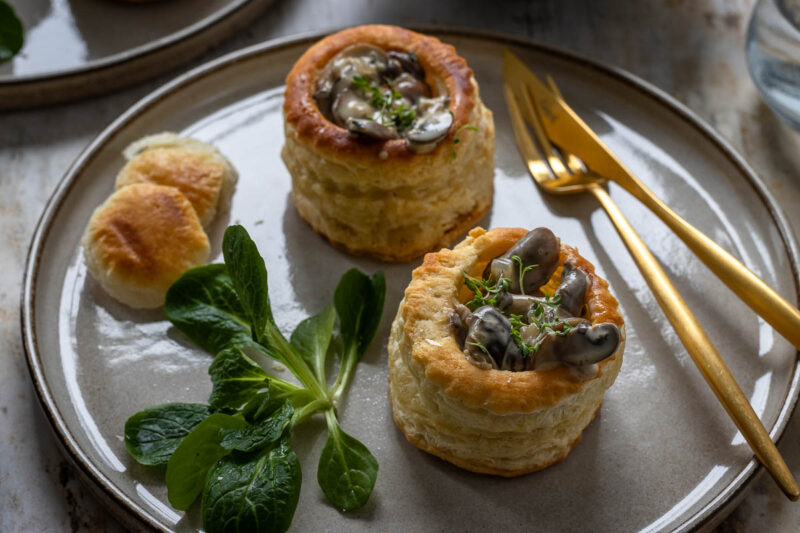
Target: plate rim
[
  {"x": 150, "y": 59},
  {"x": 128, "y": 509}
]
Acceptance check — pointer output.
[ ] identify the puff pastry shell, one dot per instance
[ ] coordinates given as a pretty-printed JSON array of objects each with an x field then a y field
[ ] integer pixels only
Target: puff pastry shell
[
  {"x": 379, "y": 198},
  {"x": 484, "y": 420}
]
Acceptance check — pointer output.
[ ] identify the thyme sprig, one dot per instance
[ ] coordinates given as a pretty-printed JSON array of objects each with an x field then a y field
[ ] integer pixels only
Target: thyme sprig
[
  {"x": 516, "y": 334},
  {"x": 486, "y": 291},
  {"x": 392, "y": 111},
  {"x": 481, "y": 346},
  {"x": 557, "y": 326},
  {"x": 522, "y": 271}
]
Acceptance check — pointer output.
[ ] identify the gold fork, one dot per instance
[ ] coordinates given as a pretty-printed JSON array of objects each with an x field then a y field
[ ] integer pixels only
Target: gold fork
[
  {"x": 563, "y": 126},
  {"x": 554, "y": 175}
]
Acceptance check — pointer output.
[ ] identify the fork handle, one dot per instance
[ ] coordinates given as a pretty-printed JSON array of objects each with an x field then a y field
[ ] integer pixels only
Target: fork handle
[
  {"x": 763, "y": 299},
  {"x": 700, "y": 348}
]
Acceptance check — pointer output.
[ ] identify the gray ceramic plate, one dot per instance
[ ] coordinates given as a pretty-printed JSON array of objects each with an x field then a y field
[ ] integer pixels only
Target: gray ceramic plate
[
  {"x": 661, "y": 455},
  {"x": 76, "y": 48}
]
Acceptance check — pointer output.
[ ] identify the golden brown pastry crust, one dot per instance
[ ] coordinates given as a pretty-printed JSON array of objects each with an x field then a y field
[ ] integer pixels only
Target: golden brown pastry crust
[
  {"x": 377, "y": 198},
  {"x": 486, "y": 420},
  {"x": 195, "y": 168},
  {"x": 432, "y": 287},
  {"x": 140, "y": 240},
  {"x": 441, "y": 64}
]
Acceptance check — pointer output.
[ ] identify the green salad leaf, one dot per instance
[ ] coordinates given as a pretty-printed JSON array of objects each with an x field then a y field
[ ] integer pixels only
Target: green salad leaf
[
  {"x": 203, "y": 304},
  {"x": 196, "y": 454},
  {"x": 258, "y": 435},
  {"x": 359, "y": 304},
  {"x": 152, "y": 435},
  {"x": 311, "y": 339},
  {"x": 252, "y": 493},
  {"x": 236, "y": 450},
  {"x": 347, "y": 470},
  {"x": 248, "y": 274},
  {"x": 235, "y": 378}
]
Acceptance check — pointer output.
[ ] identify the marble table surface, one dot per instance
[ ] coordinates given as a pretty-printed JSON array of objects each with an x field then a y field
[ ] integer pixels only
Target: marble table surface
[{"x": 693, "y": 50}]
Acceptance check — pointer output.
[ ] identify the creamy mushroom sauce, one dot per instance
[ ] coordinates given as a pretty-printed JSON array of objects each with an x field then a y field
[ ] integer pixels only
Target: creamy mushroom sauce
[
  {"x": 515, "y": 327},
  {"x": 374, "y": 93}
]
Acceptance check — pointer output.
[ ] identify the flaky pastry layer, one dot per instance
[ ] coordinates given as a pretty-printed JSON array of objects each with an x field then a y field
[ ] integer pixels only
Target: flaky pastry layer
[
  {"x": 377, "y": 198},
  {"x": 484, "y": 420}
]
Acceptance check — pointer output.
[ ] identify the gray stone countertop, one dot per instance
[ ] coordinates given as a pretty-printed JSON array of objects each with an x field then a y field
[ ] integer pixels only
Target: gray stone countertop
[{"x": 693, "y": 50}]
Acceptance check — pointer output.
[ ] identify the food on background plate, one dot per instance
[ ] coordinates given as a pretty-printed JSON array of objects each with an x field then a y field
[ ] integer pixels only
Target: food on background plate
[
  {"x": 11, "y": 32},
  {"x": 501, "y": 351},
  {"x": 150, "y": 230},
  {"x": 236, "y": 451},
  {"x": 140, "y": 240},
  {"x": 195, "y": 168},
  {"x": 390, "y": 149}
]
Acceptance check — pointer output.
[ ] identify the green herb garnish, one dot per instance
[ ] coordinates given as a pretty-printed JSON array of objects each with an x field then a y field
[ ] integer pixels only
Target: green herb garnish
[
  {"x": 456, "y": 138},
  {"x": 236, "y": 450},
  {"x": 392, "y": 111},
  {"x": 11, "y": 32},
  {"x": 481, "y": 346},
  {"x": 522, "y": 271},
  {"x": 553, "y": 327},
  {"x": 516, "y": 326},
  {"x": 486, "y": 292}
]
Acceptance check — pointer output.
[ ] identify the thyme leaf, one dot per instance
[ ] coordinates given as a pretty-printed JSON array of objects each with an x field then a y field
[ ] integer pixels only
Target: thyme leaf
[
  {"x": 485, "y": 291},
  {"x": 392, "y": 110},
  {"x": 522, "y": 271}
]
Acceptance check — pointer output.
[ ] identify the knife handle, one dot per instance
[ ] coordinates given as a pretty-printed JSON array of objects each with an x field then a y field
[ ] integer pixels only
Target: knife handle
[
  {"x": 763, "y": 299},
  {"x": 700, "y": 348}
]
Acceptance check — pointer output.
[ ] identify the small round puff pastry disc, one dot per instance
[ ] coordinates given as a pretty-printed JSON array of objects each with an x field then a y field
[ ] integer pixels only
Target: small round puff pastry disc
[
  {"x": 195, "y": 168},
  {"x": 379, "y": 198},
  {"x": 142, "y": 239},
  {"x": 484, "y": 420}
]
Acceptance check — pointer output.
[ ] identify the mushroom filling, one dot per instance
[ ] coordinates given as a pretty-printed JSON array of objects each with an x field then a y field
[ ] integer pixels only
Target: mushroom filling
[
  {"x": 511, "y": 325},
  {"x": 383, "y": 95}
]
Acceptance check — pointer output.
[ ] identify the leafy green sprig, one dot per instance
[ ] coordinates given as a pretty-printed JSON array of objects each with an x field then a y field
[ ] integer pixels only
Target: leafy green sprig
[
  {"x": 485, "y": 291},
  {"x": 236, "y": 451},
  {"x": 516, "y": 334},
  {"x": 392, "y": 112},
  {"x": 522, "y": 270},
  {"x": 556, "y": 326}
]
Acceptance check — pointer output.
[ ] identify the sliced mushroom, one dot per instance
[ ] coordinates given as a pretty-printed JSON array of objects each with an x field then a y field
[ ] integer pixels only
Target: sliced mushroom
[
  {"x": 587, "y": 344},
  {"x": 350, "y": 104},
  {"x": 408, "y": 62},
  {"x": 513, "y": 359},
  {"x": 572, "y": 290},
  {"x": 489, "y": 333},
  {"x": 368, "y": 60},
  {"x": 433, "y": 121},
  {"x": 411, "y": 87},
  {"x": 500, "y": 267},
  {"x": 369, "y": 127},
  {"x": 541, "y": 248},
  {"x": 516, "y": 304},
  {"x": 458, "y": 322}
]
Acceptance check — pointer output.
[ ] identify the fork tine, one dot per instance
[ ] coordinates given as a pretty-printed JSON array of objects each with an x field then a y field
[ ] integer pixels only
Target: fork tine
[
  {"x": 537, "y": 164},
  {"x": 531, "y": 113}
]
